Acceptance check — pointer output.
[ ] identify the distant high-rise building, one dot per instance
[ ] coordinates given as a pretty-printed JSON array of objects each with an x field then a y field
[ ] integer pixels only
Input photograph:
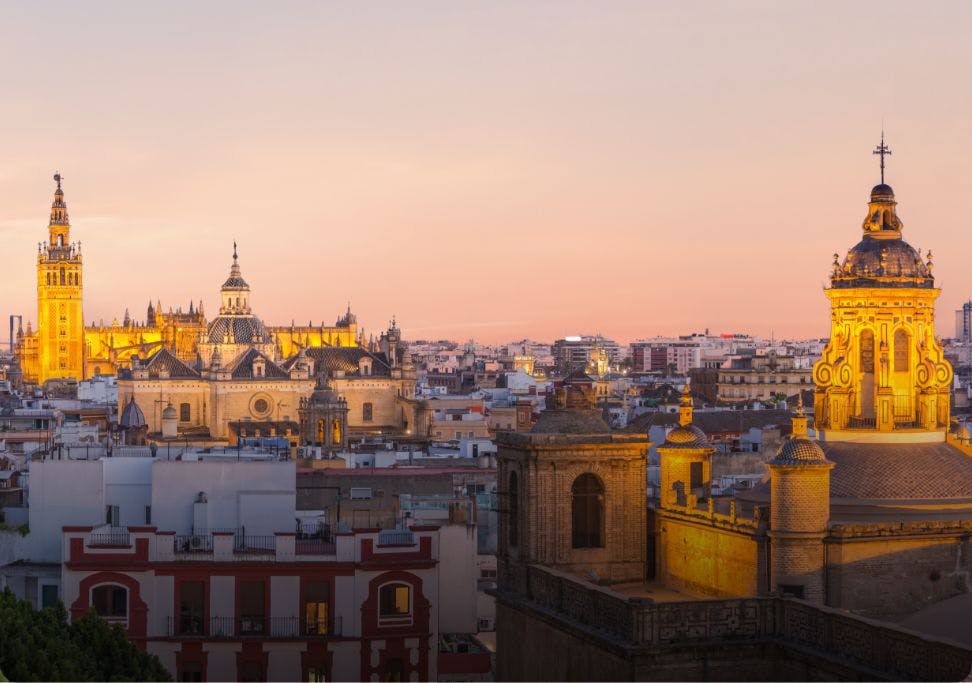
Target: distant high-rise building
[{"x": 963, "y": 323}]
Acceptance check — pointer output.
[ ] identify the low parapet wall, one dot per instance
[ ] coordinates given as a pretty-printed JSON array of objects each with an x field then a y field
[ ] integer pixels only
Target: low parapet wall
[{"x": 766, "y": 638}]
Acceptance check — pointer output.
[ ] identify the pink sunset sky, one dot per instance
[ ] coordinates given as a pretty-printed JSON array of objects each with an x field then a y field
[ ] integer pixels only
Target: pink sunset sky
[{"x": 484, "y": 170}]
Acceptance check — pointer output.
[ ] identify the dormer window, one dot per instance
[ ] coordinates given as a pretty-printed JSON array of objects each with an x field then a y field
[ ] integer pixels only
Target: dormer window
[
  {"x": 364, "y": 366},
  {"x": 259, "y": 367}
]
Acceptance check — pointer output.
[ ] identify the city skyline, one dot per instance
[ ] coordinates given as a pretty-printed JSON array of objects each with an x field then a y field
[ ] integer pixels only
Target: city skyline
[{"x": 620, "y": 171}]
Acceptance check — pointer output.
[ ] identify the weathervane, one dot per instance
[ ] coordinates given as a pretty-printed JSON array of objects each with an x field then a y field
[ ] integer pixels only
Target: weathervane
[
  {"x": 58, "y": 178},
  {"x": 882, "y": 150}
]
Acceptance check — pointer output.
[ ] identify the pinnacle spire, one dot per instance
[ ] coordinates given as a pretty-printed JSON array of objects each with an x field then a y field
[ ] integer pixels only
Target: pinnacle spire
[
  {"x": 685, "y": 407},
  {"x": 882, "y": 150}
]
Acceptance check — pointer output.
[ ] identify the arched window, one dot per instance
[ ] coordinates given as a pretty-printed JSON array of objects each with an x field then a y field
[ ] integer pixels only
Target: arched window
[
  {"x": 514, "y": 528},
  {"x": 110, "y": 601},
  {"x": 335, "y": 431},
  {"x": 367, "y": 412},
  {"x": 902, "y": 354},
  {"x": 394, "y": 602},
  {"x": 587, "y": 506},
  {"x": 60, "y": 240},
  {"x": 48, "y": 279},
  {"x": 62, "y": 276}
]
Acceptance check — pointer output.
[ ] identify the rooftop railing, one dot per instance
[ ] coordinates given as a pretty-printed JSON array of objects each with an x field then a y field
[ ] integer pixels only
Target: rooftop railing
[{"x": 251, "y": 626}]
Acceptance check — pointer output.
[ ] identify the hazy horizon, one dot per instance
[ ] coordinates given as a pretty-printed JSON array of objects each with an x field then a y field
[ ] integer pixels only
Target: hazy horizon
[{"x": 488, "y": 171}]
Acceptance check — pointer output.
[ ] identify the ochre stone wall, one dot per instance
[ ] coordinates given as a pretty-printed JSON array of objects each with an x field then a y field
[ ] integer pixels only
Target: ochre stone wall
[{"x": 706, "y": 559}]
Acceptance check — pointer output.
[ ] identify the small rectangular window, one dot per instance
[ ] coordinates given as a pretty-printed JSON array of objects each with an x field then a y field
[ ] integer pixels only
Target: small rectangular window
[
  {"x": 792, "y": 590},
  {"x": 111, "y": 515},
  {"x": 148, "y": 514},
  {"x": 48, "y": 595},
  {"x": 360, "y": 493}
]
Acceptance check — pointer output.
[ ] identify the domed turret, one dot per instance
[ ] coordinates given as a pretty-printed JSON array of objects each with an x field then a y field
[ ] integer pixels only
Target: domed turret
[
  {"x": 799, "y": 513},
  {"x": 132, "y": 417},
  {"x": 686, "y": 460},
  {"x": 170, "y": 422}
]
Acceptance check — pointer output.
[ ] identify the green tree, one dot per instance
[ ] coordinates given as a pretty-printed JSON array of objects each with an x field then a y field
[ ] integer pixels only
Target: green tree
[{"x": 40, "y": 645}]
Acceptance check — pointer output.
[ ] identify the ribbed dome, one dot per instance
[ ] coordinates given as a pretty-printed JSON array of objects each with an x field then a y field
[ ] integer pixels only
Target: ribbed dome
[
  {"x": 246, "y": 329},
  {"x": 799, "y": 451},
  {"x": 686, "y": 436},
  {"x": 871, "y": 259},
  {"x": 132, "y": 416},
  {"x": 882, "y": 190}
]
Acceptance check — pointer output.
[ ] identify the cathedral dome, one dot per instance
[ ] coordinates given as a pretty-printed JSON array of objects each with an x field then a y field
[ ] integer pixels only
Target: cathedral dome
[
  {"x": 686, "y": 436},
  {"x": 245, "y": 329},
  {"x": 132, "y": 416}
]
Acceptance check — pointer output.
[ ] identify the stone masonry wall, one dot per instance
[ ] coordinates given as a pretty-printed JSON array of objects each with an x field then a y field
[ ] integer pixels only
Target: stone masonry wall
[{"x": 922, "y": 563}]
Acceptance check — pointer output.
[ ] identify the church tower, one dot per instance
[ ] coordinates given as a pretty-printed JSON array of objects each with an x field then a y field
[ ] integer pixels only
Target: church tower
[
  {"x": 883, "y": 374},
  {"x": 60, "y": 324}
]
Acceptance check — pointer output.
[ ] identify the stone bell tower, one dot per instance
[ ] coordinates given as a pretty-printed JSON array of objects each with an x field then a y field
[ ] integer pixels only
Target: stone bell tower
[
  {"x": 572, "y": 495},
  {"x": 60, "y": 323},
  {"x": 883, "y": 371}
]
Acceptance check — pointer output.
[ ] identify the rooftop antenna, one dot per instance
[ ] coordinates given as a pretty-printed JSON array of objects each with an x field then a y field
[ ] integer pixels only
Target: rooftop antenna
[{"x": 882, "y": 150}]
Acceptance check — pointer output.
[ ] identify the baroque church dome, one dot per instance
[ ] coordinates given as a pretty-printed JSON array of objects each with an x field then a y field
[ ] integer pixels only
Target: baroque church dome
[{"x": 882, "y": 258}]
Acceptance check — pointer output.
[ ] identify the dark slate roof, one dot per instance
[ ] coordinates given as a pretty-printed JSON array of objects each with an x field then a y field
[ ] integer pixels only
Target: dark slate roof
[
  {"x": 246, "y": 328},
  {"x": 907, "y": 471},
  {"x": 570, "y": 421},
  {"x": 719, "y": 421},
  {"x": 243, "y": 367},
  {"x": 164, "y": 359},
  {"x": 891, "y": 471},
  {"x": 327, "y": 359},
  {"x": 233, "y": 282}
]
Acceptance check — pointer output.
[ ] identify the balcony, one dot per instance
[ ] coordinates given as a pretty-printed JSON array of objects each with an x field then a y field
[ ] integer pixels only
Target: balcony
[
  {"x": 109, "y": 537},
  {"x": 251, "y": 626}
]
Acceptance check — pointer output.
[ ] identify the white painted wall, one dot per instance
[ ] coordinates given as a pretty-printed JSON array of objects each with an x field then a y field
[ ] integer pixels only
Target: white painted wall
[
  {"x": 260, "y": 495},
  {"x": 458, "y": 579},
  {"x": 62, "y": 493}
]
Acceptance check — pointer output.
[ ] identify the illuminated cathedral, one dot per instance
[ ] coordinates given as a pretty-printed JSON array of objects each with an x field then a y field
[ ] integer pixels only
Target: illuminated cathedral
[{"x": 212, "y": 374}]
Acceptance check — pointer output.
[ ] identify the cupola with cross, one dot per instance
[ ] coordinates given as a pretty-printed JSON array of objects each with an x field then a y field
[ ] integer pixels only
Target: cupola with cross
[{"x": 883, "y": 369}]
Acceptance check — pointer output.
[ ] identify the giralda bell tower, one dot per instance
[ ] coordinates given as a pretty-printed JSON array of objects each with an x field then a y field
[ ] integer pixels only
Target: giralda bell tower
[{"x": 60, "y": 324}]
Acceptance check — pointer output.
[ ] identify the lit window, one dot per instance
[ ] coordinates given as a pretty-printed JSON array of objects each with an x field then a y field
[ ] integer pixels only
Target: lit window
[{"x": 395, "y": 601}]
